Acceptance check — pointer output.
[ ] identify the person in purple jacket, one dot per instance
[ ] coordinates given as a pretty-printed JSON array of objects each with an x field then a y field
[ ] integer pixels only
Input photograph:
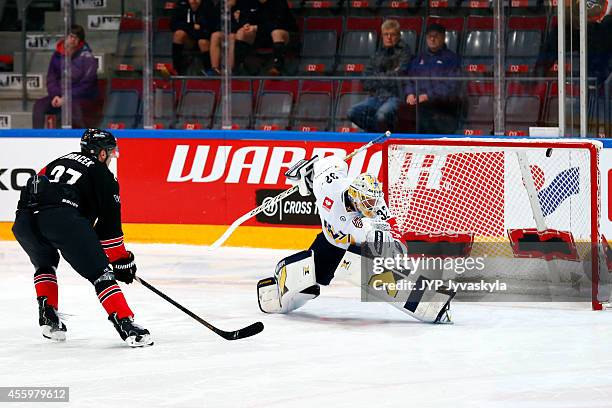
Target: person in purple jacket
[
  {"x": 436, "y": 100},
  {"x": 84, "y": 82}
]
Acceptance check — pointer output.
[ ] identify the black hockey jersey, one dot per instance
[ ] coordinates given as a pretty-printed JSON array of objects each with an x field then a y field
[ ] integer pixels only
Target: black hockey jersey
[
  {"x": 82, "y": 182},
  {"x": 184, "y": 18},
  {"x": 274, "y": 12}
]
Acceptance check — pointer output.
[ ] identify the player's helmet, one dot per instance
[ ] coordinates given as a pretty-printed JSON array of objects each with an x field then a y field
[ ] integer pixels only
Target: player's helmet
[
  {"x": 366, "y": 194},
  {"x": 95, "y": 140}
]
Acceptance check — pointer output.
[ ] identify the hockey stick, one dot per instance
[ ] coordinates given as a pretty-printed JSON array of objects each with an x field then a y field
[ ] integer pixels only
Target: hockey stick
[
  {"x": 230, "y": 230},
  {"x": 248, "y": 331}
]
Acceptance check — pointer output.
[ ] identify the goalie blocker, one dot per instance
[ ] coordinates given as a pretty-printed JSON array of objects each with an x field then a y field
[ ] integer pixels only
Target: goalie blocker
[{"x": 295, "y": 282}]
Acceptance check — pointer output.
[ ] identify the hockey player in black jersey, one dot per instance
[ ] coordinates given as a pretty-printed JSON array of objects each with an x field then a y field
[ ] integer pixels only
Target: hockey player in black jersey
[{"x": 73, "y": 206}]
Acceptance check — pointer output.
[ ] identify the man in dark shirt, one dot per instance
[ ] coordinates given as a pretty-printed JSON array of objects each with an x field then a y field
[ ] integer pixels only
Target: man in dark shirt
[
  {"x": 264, "y": 20},
  {"x": 73, "y": 206},
  {"x": 437, "y": 99},
  {"x": 213, "y": 15},
  {"x": 190, "y": 29}
]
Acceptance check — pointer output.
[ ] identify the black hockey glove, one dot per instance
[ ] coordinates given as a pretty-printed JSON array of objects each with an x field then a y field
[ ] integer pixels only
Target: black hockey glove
[{"x": 125, "y": 268}]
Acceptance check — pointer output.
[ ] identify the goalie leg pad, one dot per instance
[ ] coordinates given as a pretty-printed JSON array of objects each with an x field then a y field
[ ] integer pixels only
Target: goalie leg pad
[
  {"x": 293, "y": 284},
  {"x": 426, "y": 301}
]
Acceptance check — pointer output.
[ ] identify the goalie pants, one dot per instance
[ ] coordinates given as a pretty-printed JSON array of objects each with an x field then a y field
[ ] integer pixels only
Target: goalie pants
[
  {"x": 47, "y": 232},
  {"x": 326, "y": 259}
]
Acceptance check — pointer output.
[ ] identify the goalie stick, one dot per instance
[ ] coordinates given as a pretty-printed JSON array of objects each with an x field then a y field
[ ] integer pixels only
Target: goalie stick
[
  {"x": 230, "y": 230},
  {"x": 248, "y": 331}
]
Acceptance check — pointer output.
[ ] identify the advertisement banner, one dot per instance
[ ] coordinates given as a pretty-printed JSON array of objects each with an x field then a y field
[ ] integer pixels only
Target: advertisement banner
[
  {"x": 294, "y": 210},
  {"x": 89, "y": 4},
  {"x": 9, "y": 81},
  {"x": 210, "y": 181},
  {"x": 19, "y": 159},
  {"x": 103, "y": 22},
  {"x": 213, "y": 181},
  {"x": 42, "y": 41},
  {"x": 5, "y": 121}
]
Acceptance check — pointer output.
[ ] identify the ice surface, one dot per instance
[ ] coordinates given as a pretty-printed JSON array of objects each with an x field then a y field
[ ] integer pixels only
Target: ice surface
[{"x": 334, "y": 352}]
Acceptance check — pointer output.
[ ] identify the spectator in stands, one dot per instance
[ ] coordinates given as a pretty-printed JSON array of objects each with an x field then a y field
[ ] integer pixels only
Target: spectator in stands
[
  {"x": 217, "y": 36},
  {"x": 379, "y": 111},
  {"x": 264, "y": 20},
  {"x": 599, "y": 51},
  {"x": 436, "y": 100},
  {"x": 84, "y": 82},
  {"x": 190, "y": 29}
]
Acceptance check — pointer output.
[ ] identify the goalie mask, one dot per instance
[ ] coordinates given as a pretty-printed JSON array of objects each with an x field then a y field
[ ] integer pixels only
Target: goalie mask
[{"x": 366, "y": 194}]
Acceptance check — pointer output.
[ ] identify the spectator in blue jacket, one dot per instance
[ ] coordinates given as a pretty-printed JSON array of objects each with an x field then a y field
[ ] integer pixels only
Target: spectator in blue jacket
[
  {"x": 436, "y": 100},
  {"x": 84, "y": 68},
  {"x": 378, "y": 112}
]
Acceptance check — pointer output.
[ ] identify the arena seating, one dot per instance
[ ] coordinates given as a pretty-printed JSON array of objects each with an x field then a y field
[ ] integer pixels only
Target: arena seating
[
  {"x": 275, "y": 104},
  {"x": 524, "y": 43},
  {"x": 122, "y": 106},
  {"x": 197, "y": 104},
  {"x": 477, "y": 51},
  {"x": 336, "y": 37},
  {"x": 313, "y": 109},
  {"x": 477, "y": 117},
  {"x": 524, "y": 106},
  {"x": 242, "y": 96},
  {"x": 358, "y": 44},
  {"x": 319, "y": 45}
]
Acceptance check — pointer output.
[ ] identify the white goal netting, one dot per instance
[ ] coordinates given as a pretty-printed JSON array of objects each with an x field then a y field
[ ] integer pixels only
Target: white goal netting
[{"x": 500, "y": 192}]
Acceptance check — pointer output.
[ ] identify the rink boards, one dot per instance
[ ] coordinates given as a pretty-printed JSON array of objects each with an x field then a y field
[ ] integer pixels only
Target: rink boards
[{"x": 187, "y": 186}]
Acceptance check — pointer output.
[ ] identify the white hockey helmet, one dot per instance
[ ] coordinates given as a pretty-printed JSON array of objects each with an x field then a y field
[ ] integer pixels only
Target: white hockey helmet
[{"x": 367, "y": 194}]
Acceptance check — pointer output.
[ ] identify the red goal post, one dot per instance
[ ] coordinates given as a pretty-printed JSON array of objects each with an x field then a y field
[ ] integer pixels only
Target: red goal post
[{"x": 499, "y": 190}]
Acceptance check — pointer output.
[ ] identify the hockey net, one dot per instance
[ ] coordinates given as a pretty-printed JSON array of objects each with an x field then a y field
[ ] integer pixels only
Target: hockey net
[{"x": 517, "y": 200}]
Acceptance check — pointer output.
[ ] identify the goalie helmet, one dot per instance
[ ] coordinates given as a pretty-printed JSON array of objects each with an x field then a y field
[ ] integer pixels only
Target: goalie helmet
[
  {"x": 95, "y": 140},
  {"x": 366, "y": 194}
]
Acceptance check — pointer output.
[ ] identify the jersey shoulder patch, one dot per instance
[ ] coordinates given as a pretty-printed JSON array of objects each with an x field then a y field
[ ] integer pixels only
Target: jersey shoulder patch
[{"x": 328, "y": 203}]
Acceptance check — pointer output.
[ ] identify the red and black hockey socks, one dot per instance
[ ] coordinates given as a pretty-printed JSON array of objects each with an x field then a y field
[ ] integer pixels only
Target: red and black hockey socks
[
  {"x": 114, "y": 248},
  {"x": 112, "y": 299},
  {"x": 45, "y": 283}
]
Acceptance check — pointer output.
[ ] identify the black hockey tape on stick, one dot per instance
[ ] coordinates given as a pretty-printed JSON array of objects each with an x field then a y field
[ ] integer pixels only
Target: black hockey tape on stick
[
  {"x": 248, "y": 331},
  {"x": 230, "y": 230}
]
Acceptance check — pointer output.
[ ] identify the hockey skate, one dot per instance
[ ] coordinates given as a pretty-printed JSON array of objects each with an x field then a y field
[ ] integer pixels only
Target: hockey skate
[
  {"x": 130, "y": 332},
  {"x": 52, "y": 327}
]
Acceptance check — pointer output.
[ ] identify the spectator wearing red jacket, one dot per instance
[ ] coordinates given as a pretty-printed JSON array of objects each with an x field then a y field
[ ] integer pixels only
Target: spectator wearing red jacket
[{"x": 84, "y": 82}]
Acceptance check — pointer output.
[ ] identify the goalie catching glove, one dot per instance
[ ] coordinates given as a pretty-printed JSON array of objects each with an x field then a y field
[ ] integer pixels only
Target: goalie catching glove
[
  {"x": 302, "y": 174},
  {"x": 124, "y": 269}
]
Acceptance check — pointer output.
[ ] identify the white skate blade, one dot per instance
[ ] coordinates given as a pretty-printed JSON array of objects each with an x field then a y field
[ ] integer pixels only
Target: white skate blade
[
  {"x": 140, "y": 341},
  {"x": 55, "y": 335}
]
